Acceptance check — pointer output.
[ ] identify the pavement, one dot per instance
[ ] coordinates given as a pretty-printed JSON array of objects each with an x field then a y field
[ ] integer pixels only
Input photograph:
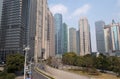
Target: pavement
[
  {"x": 1, "y": 68},
  {"x": 20, "y": 77},
  {"x": 37, "y": 75}
]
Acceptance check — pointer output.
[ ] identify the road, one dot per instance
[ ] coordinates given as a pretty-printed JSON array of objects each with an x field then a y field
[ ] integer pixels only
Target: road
[
  {"x": 37, "y": 75},
  {"x": 20, "y": 77}
]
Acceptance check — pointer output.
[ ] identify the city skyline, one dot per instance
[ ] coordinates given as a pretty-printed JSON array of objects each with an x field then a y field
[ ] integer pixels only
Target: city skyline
[
  {"x": 93, "y": 10},
  {"x": 41, "y": 41}
]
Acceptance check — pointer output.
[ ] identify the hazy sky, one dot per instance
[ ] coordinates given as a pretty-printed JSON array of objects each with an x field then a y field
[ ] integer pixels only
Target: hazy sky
[{"x": 94, "y": 10}]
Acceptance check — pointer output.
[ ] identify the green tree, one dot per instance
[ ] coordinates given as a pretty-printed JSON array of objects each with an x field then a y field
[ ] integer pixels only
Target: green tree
[
  {"x": 88, "y": 61},
  {"x": 14, "y": 62},
  {"x": 102, "y": 62},
  {"x": 69, "y": 58},
  {"x": 79, "y": 61},
  {"x": 115, "y": 66}
]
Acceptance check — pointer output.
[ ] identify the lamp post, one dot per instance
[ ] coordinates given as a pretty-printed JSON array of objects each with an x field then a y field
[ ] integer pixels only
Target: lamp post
[
  {"x": 30, "y": 66},
  {"x": 26, "y": 51}
]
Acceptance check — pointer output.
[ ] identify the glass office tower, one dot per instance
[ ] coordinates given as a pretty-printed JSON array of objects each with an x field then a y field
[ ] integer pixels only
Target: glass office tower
[
  {"x": 65, "y": 38},
  {"x": 58, "y": 33},
  {"x": 99, "y": 27},
  {"x": 13, "y": 26}
]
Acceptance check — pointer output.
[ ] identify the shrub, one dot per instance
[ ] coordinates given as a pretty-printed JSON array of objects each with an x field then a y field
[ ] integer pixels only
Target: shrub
[
  {"x": 10, "y": 76},
  {"x": 5, "y": 75}
]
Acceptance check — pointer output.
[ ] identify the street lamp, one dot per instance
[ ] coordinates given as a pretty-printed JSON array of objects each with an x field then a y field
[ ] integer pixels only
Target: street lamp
[
  {"x": 30, "y": 66},
  {"x": 26, "y": 51}
]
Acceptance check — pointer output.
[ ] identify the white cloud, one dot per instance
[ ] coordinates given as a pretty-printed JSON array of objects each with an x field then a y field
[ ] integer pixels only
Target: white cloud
[
  {"x": 58, "y": 8},
  {"x": 82, "y": 10}
]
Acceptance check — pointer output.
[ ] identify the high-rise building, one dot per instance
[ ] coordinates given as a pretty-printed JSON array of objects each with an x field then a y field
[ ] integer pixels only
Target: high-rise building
[
  {"x": 68, "y": 42},
  {"x": 99, "y": 26},
  {"x": 85, "y": 45},
  {"x": 112, "y": 38},
  {"x": 72, "y": 40},
  {"x": 25, "y": 23},
  {"x": 115, "y": 34},
  {"x": 65, "y": 38},
  {"x": 51, "y": 35},
  {"x": 58, "y": 33},
  {"x": 1, "y": 1},
  {"x": 78, "y": 41},
  {"x": 13, "y": 26},
  {"x": 41, "y": 30},
  {"x": 107, "y": 37},
  {"x": 36, "y": 32}
]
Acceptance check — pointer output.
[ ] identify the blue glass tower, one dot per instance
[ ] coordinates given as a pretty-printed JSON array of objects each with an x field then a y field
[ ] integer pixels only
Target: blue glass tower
[
  {"x": 115, "y": 35},
  {"x": 58, "y": 33},
  {"x": 65, "y": 38}
]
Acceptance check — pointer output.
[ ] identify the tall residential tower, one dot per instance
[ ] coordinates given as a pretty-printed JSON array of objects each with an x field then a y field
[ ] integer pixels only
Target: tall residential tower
[
  {"x": 85, "y": 42},
  {"x": 72, "y": 40},
  {"x": 51, "y": 34},
  {"x": 41, "y": 30}
]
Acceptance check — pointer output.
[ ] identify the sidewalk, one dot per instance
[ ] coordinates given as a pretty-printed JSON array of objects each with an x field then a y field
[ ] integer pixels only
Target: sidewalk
[{"x": 20, "y": 77}]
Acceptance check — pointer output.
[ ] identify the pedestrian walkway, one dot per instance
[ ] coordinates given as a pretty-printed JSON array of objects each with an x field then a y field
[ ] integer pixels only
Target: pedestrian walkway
[{"x": 20, "y": 77}]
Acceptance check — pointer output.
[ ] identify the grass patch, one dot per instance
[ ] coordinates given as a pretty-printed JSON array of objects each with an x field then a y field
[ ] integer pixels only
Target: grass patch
[
  {"x": 100, "y": 76},
  {"x": 44, "y": 74}
]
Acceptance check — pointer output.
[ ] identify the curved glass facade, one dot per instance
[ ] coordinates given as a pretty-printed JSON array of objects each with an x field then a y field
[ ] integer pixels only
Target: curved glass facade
[{"x": 58, "y": 33}]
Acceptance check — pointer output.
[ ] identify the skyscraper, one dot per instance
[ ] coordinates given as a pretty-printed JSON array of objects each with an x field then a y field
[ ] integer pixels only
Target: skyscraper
[
  {"x": 25, "y": 23},
  {"x": 115, "y": 34},
  {"x": 40, "y": 30},
  {"x": 51, "y": 34},
  {"x": 72, "y": 40},
  {"x": 78, "y": 41},
  {"x": 1, "y": 1},
  {"x": 99, "y": 26},
  {"x": 65, "y": 38},
  {"x": 36, "y": 32},
  {"x": 13, "y": 26},
  {"x": 85, "y": 45},
  {"x": 108, "y": 39},
  {"x": 58, "y": 33},
  {"x": 112, "y": 38}
]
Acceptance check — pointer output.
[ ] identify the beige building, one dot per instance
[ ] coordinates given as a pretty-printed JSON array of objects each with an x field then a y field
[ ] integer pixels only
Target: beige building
[
  {"x": 107, "y": 36},
  {"x": 72, "y": 40},
  {"x": 39, "y": 32},
  {"x": 51, "y": 34},
  {"x": 85, "y": 43}
]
